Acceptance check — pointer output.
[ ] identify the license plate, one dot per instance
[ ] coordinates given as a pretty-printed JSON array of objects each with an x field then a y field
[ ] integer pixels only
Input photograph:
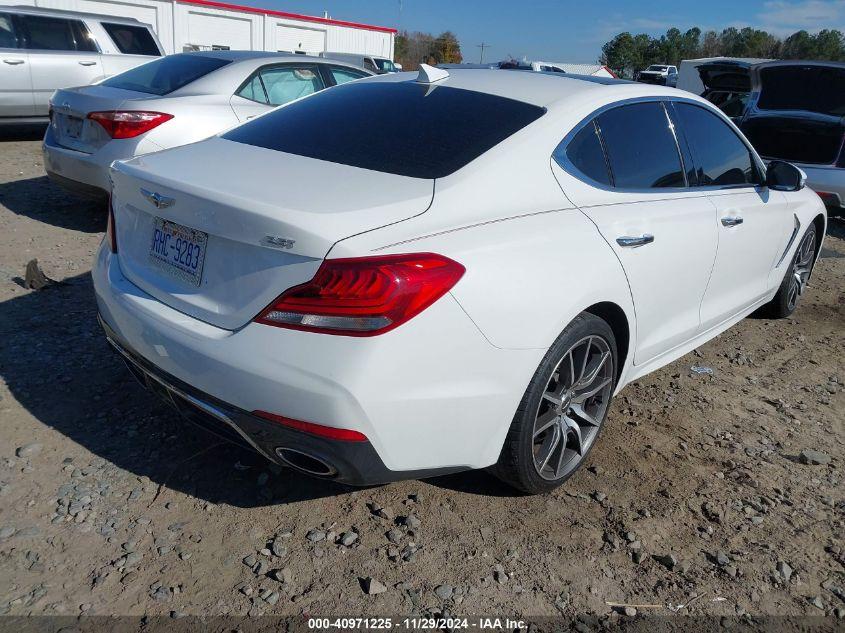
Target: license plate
[
  {"x": 72, "y": 126},
  {"x": 179, "y": 250}
]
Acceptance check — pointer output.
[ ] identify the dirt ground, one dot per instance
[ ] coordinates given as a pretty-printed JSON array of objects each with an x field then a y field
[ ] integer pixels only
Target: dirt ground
[{"x": 696, "y": 499}]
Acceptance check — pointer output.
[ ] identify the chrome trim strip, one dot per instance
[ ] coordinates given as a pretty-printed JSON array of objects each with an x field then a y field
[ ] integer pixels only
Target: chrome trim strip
[
  {"x": 791, "y": 240},
  {"x": 200, "y": 404}
]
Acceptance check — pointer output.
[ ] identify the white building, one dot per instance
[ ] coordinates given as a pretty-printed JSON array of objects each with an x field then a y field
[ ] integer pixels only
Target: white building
[{"x": 184, "y": 25}]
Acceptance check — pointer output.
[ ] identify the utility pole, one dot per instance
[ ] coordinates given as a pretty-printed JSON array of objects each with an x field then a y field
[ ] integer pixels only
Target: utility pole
[{"x": 482, "y": 46}]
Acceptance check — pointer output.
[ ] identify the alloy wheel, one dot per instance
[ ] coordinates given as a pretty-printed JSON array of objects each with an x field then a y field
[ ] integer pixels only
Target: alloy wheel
[
  {"x": 573, "y": 407},
  {"x": 802, "y": 265}
]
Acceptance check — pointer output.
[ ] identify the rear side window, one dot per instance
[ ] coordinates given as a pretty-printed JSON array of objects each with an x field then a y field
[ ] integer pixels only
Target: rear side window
[
  {"x": 402, "y": 128},
  {"x": 56, "y": 34},
  {"x": 164, "y": 75},
  {"x": 641, "y": 147},
  {"x": 585, "y": 153},
  {"x": 720, "y": 157},
  {"x": 8, "y": 39},
  {"x": 342, "y": 75},
  {"x": 132, "y": 40}
]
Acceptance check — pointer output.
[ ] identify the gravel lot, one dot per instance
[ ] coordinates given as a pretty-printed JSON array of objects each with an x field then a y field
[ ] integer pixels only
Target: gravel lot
[{"x": 697, "y": 498}]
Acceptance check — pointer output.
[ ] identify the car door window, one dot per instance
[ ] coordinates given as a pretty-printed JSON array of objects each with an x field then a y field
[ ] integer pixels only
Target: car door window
[
  {"x": 585, "y": 153},
  {"x": 56, "y": 34},
  {"x": 641, "y": 147},
  {"x": 286, "y": 83},
  {"x": 342, "y": 75},
  {"x": 8, "y": 38},
  {"x": 720, "y": 156},
  {"x": 132, "y": 40}
]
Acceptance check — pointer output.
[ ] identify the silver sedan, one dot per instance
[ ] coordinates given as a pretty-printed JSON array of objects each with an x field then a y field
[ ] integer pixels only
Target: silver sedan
[{"x": 172, "y": 101}]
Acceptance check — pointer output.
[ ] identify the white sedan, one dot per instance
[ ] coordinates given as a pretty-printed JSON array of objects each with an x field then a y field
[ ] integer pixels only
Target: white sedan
[
  {"x": 464, "y": 285},
  {"x": 172, "y": 101}
]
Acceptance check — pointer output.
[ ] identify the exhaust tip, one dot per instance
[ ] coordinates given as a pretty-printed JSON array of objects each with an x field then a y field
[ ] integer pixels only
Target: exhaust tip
[{"x": 305, "y": 463}]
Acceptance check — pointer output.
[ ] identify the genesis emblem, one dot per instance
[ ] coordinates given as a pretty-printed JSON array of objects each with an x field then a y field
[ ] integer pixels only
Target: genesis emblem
[
  {"x": 278, "y": 242},
  {"x": 160, "y": 201}
]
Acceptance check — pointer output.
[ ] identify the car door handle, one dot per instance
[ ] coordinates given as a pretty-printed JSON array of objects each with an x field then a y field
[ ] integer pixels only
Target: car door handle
[
  {"x": 13, "y": 62},
  {"x": 87, "y": 63},
  {"x": 732, "y": 221},
  {"x": 632, "y": 241}
]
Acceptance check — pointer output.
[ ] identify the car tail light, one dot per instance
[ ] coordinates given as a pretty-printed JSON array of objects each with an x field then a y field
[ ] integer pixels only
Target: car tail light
[
  {"x": 331, "y": 432},
  {"x": 829, "y": 198},
  {"x": 364, "y": 296},
  {"x": 111, "y": 235},
  {"x": 130, "y": 123}
]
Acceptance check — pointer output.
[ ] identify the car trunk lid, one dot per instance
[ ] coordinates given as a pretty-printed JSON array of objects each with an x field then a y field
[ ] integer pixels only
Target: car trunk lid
[
  {"x": 725, "y": 76},
  {"x": 70, "y": 108},
  {"x": 260, "y": 221},
  {"x": 798, "y": 111}
]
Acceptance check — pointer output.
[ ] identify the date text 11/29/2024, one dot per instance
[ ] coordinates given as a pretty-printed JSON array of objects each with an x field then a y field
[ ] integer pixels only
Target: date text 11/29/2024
[{"x": 416, "y": 624}]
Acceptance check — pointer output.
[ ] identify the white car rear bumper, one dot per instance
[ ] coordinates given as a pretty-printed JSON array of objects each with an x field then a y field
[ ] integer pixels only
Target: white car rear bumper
[{"x": 431, "y": 396}]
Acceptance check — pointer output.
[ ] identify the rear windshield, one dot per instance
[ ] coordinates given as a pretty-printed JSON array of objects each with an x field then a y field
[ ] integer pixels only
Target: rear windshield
[
  {"x": 165, "y": 75},
  {"x": 402, "y": 128},
  {"x": 132, "y": 40},
  {"x": 813, "y": 88}
]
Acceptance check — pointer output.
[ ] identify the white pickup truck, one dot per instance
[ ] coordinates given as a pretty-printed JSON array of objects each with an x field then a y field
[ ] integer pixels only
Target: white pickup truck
[{"x": 659, "y": 74}]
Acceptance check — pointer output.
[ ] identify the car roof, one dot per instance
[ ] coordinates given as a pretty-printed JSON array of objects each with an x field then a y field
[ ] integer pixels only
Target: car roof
[
  {"x": 237, "y": 56},
  {"x": 23, "y": 9},
  {"x": 545, "y": 89},
  {"x": 799, "y": 62}
]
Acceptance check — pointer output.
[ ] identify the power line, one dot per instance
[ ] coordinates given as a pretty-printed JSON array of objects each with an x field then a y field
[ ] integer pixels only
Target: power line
[{"x": 482, "y": 46}]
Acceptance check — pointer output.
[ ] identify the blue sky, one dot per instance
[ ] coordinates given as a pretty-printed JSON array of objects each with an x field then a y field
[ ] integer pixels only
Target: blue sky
[{"x": 567, "y": 30}]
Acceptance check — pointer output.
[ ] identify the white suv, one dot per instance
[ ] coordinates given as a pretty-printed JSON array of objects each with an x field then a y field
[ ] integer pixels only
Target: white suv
[{"x": 42, "y": 50}]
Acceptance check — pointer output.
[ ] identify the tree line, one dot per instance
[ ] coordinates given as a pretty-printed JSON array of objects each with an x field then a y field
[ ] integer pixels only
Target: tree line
[
  {"x": 627, "y": 53},
  {"x": 413, "y": 48}
]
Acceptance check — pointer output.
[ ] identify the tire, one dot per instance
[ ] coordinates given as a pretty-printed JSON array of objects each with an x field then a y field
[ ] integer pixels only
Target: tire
[
  {"x": 530, "y": 460},
  {"x": 795, "y": 279}
]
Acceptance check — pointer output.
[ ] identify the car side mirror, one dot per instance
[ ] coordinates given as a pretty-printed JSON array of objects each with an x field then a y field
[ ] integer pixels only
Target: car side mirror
[{"x": 783, "y": 176}]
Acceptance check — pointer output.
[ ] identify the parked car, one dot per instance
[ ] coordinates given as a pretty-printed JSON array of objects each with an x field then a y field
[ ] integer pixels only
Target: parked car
[
  {"x": 659, "y": 74},
  {"x": 174, "y": 100},
  {"x": 795, "y": 113},
  {"x": 45, "y": 49},
  {"x": 373, "y": 63},
  {"x": 727, "y": 85},
  {"x": 369, "y": 303}
]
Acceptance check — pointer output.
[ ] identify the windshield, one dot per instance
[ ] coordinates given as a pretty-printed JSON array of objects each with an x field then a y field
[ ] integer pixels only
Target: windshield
[
  {"x": 811, "y": 88},
  {"x": 423, "y": 131},
  {"x": 385, "y": 64},
  {"x": 165, "y": 75},
  {"x": 657, "y": 68}
]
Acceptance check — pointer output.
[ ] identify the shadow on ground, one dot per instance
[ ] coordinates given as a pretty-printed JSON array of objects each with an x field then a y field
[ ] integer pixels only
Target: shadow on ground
[
  {"x": 44, "y": 201},
  {"x": 25, "y": 132}
]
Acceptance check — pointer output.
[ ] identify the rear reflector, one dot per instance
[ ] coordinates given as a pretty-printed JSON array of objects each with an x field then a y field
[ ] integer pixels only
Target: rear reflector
[
  {"x": 333, "y": 433},
  {"x": 130, "y": 123},
  {"x": 364, "y": 296}
]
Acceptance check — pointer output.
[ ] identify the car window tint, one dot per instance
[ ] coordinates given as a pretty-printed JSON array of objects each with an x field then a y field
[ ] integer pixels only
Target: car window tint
[
  {"x": 253, "y": 90},
  {"x": 585, "y": 153},
  {"x": 166, "y": 74},
  {"x": 342, "y": 75},
  {"x": 721, "y": 158},
  {"x": 286, "y": 83},
  {"x": 423, "y": 131},
  {"x": 641, "y": 147},
  {"x": 132, "y": 40},
  {"x": 47, "y": 33},
  {"x": 8, "y": 39}
]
